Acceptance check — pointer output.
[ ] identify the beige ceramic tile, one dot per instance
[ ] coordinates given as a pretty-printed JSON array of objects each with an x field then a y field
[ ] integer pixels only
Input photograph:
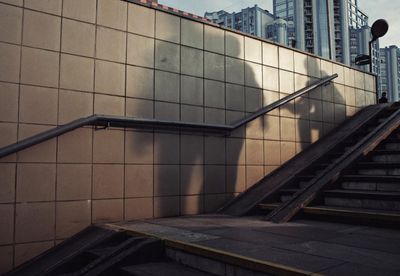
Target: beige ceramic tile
[
  {"x": 109, "y": 210},
  {"x": 234, "y": 45},
  {"x": 43, "y": 152},
  {"x": 72, "y": 217},
  {"x": 214, "y": 179},
  {"x": 76, "y": 73},
  {"x": 213, "y": 202},
  {"x": 139, "y": 180},
  {"x": 140, "y": 51},
  {"x": 253, "y": 175},
  {"x": 139, "y": 147},
  {"x": 34, "y": 222},
  {"x": 9, "y": 102},
  {"x": 166, "y": 206},
  {"x": 110, "y": 78},
  {"x": 141, "y": 20},
  {"x": 287, "y": 129},
  {"x": 253, "y": 75},
  {"x": 272, "y": 153},
  {"x": 192, "y": 33},
  {"x": 235, "y": 151},
  {"x": 191, "y": 149},
  {"x": 36, "y": 182},
  {"x": 167, "y": 27},
  {"x": 10, "y": 24},
  {"x": 235, "y": 179},
  {"x": 167, "y": 56},
  {"x": 140, "y": 82},
  {"x": 9, "y": 134},
  {"x": 300, "y": 63},
  {"x": 108, "y": 181},
  {"x": 139, "y": 108},
  {"x": 252, "y": 49},
  {"x": 270, "y": 54},
  {"x": 255, "y": 129},
  {"x": 74, "y": 181},
  {"x": 166, "y": 148},
  {"x": 192, "y": 205},
  {"x": 214, "y": 39},
  {"x": 214, "y": 150},
  {"x": 303, "y": 133},
  {"x": 74, "y": 105},
  {"x": 49, "y": 6},
  {"x": 109, "y": 105},
  {"x": 254, "y": 152},
  {"x": 41, "y": 30},
  {"x": 110, "y": 44},
  {"x": 9, "y": 62},
  {"x": 286, "y": 59},
  {"x": 270, "y": 78},
  {"x": 192, "y": 179},
  {"x": 166, "y": 180},
  {"x": 288, "y": 150},
  {"x": 138, "y": 208},
  {"x": 112, "y": 13},
  {"x": 166, "y": 111},
  {"x": 193, "y": 114},
  {"x": 81, "y": 10},
  {"x": 7, "y": 222},
  {"x": 108, "y": 146},
  {"x": 26, "y": 251},
  {"x": 8, "y": 176},
  {"x": 78, "y": 37},
  {"x": 6, "y": 262},
  {"x": 75, "y": 146},
  {"x": 38, "y": 105}
]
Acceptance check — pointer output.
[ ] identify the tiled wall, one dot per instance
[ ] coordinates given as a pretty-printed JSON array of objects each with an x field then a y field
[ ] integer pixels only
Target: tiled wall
[{"x": 62, "y": 60}]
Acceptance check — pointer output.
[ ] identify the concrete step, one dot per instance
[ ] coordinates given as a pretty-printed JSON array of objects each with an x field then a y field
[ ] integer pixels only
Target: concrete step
[
  {"x": 377, "y": 168},
  {"x": 354, "y": 215},
  {"x": 363, "y": 199},
  {"x": 161, "y": 268},
  {"x": 371, "y": 186},
  {"x": 379, "y": 172},
  {"x": 389, "y": 156},
  {"x": 371, "y": 178},
  {"x": 287, "y": 194},
  {"x": 391, "y": 145},
  {"x": 347, "y": 214}
]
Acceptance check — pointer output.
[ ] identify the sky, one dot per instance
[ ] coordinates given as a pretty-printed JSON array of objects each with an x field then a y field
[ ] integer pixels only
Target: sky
[{"x": 376, "y": 9}]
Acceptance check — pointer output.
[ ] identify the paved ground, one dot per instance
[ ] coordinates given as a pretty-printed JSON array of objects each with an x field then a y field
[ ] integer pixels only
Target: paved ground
[{"x": 326, "y": 248}]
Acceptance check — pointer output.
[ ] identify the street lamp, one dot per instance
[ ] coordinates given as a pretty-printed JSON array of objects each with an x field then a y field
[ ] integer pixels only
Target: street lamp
[{"x": 378, "y": 29}]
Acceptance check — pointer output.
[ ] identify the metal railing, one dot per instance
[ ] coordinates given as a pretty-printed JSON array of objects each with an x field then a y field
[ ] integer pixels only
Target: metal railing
[{"x": 116, "y": 121}]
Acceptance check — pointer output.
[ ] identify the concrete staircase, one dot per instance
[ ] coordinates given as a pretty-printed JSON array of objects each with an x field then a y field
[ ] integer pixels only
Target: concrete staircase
[
  {"x": 366, "y": 191},
  {"x": 106, "y": 251}
]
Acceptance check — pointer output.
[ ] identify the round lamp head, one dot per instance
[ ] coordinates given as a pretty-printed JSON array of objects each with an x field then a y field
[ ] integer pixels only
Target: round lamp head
[{"x": 379, "y": 29}]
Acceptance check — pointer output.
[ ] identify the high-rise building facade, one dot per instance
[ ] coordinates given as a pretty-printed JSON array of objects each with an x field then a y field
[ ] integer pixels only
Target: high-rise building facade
[
  {"x": 390, "y": 72},
  {"x": 322, "y": 27},
  {"x": 252, "y": 20}
]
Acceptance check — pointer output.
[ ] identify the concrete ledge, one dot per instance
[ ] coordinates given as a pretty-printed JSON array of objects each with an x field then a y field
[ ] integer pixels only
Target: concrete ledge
[{"x": 217, "y": 261}]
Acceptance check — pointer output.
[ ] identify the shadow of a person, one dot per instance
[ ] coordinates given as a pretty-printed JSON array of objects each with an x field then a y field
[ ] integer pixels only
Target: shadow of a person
[
  {"x": 196, "y": 173},
  {"x": 318, "y": 111}
]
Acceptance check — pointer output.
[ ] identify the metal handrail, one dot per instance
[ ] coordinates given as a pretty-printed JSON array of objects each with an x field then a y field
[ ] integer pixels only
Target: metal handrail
[{"x": 117, "y": 121}]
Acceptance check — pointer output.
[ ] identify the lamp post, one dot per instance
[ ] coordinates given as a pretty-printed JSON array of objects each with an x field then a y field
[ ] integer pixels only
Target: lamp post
[{"x": 378, "y": 29}]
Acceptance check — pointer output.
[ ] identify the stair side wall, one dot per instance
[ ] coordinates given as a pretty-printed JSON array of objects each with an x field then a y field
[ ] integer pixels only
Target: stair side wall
[{"x": 64, "y": 60}]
